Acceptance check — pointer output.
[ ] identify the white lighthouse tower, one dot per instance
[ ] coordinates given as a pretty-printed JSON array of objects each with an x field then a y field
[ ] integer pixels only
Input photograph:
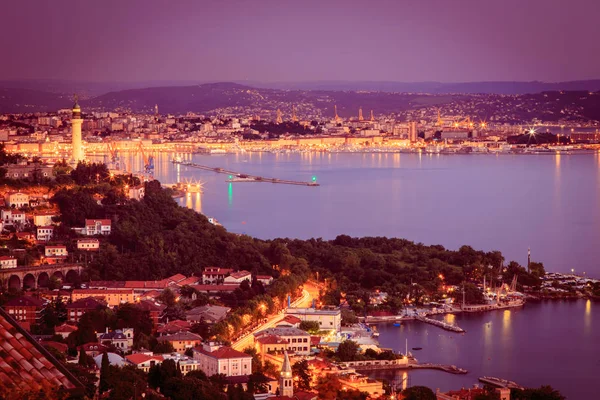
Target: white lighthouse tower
[{"x": 76, "y": 122}]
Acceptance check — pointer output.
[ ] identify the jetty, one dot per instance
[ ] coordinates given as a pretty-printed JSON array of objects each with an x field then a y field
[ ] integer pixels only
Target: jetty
[
  {"x": 440, "y": 324},
  {"x": 501, "y": 383},
  {"x": 235, "y": 176},
  {"x": 452, "y": 369}
]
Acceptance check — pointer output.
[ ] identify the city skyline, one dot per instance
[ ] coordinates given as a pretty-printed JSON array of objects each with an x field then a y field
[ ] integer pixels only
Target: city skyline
[{"x": 268, "y": 41}]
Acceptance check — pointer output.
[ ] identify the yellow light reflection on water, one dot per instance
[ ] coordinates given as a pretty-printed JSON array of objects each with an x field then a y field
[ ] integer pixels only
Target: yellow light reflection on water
[
  {"x": 404, "y": 380},
  {"x": 450, "y": 318},
  {"x": 506, "y": 322},
  {"x": 198, "y": 207},
  {"x": 587, "y": 316}
]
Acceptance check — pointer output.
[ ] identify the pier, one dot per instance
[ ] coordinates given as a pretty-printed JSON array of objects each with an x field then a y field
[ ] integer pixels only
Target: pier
[
  {"x": 501, "y": 383},
  {"x": 440, "y": 324},
  {"x": 404, "y": 363},
  {"x": 240, "y": 177}
]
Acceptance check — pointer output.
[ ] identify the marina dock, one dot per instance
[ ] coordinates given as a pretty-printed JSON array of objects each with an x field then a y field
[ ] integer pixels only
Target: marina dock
[
  {"x": 235, "y": 176},
  {"x": 501, "y": 383},
  {"x": 441, "y": 324}
]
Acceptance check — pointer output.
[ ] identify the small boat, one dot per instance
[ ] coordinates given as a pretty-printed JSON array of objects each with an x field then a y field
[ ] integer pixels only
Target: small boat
[
  {"x": 375, "y": 334},
  {"x": 417, "y": 348},
  {"x": 397, "y": 324}
]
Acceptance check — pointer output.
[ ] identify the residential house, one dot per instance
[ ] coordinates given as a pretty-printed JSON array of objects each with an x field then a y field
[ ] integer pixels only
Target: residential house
[
  {"x": 214, "y": 275},
  {"x": 44, "y": 233},
  {"x": 25, "y": 309},
  {"x": 8, "y": 262},
  {"x": 327, "y": 319},
  {"x": 112, "y": 297},
  {"x": 266, "y": 344},
  {"x": 155, "y": 309},
  {"x": 174, "y": 326},
  {"x": 97, "y": 227},
  {"x": 13, "y": 217},
  {"x": 136, "y": 192},
  {"x": 122, "y": 339},
  {"x": 92, "y": 349},
  {"x": 53, "y": 251},
  {"x": 264, "y": 279},
  {"x": 235, "y": 278},
  {"x": 223, "y": 360},
  {"x": 79, "y": 307},
  {"x": 297, "y": 339},
  {"x": 181, "y": 341},
  {"x": 16, "y": 199},
  {"x": 64, "y": 330},
  {"x": 28, "y": 364},
  {"x": 144, "y": 361},
  {"x": 88, "y": 244},
  {"x": 209, "y": 313},
  {"x": 44, "y": 219},
  {"x": 26, "y": 236}
]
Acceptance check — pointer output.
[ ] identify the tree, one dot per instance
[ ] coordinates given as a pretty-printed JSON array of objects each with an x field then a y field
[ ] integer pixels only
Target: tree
[
  {"x": 418, "y": 393},
  {"x": 300, "y": 371},
  {"x": 349, "y": 317},
  {"x": 347, "y": 350},
  {"x": 104, "y": 374},
  {"x": 160, "y": 373},
  {"x": 163, "y": 347},
  {"x": 542, "y": 393},
  {"x": 473, "y": 295},
  {"x": 537, "y": 269},
  {"x": 328, "y": 387},
  {"x": 312, "y": 327}
]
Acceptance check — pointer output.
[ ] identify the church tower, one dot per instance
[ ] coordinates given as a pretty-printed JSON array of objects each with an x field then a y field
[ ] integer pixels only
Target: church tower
[
  {"x": 286, "y": 382},
  {"x": 76, "y": 122}
]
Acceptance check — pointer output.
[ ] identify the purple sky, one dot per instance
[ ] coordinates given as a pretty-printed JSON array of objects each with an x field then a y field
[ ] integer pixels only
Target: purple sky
[{"x": 301, "y": 40}]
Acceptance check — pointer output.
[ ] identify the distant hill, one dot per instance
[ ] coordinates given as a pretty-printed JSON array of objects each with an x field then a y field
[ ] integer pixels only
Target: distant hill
[
  {"x": 24, "y": 100},
  {"x": 499, "y": 87}
]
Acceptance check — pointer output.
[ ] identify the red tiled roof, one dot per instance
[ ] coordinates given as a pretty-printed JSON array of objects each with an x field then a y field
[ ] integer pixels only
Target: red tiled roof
[
  {"x": 240, "y": 274},
  {"x": 91, "y": 222},
  {"x": 264, "y": 277},
  {"x": 25, "y": 364},
  {"x": 93, "y": 346},
  {"x": 89, "y": 303},
  {"x": 56, "y": 345},
  {"x": 292, "y": 320},
  {"x": 176, "y": 278},
  {"x": 146, "y": 284},
  {"x": 147, "y": 305},
  {"x": 189, "y": 281},
  {"x": 65, "y": 328},
  {"x": 138, "y": 358},
  {"x": 101, "y": 292},
  {"x": 271, "y": 339},
  {"x": 215, "y": 288}
]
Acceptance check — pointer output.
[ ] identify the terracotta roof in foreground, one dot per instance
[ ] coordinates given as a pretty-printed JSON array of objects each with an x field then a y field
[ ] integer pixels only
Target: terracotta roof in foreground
[{"x": 25, "y": 364}]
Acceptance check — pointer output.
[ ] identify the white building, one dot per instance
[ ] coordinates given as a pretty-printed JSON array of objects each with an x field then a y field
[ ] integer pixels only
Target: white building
[
  {"x": 44, "y": 219},
  {"x": 16, "y": 199},
  {"x": 97, "y": 227},
  {"x": 10, "y": 217},
  {"x": 88, "y": 244},
  {"x": 56, "y": 251},
  {"x": 8, "y": 262},
  {"x": 224, "y": 360},
  {"x": 44, "y": 233},
  {"x": 120, "y": 338},
  {"x": 137, "y": 192},
  {"x": 327, "y": 319},
  {"x": 298, "y": 341},
  {"x": 235, "y": 278}
]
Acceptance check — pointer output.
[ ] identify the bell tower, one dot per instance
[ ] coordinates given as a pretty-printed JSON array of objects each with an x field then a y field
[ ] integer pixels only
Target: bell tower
[{"x": 286, "y": 382}]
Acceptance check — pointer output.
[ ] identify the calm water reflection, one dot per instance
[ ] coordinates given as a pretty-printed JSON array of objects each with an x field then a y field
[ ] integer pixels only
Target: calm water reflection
[
  {"x": 508, "y": 203},
  {"x": 552, "y": 343}
]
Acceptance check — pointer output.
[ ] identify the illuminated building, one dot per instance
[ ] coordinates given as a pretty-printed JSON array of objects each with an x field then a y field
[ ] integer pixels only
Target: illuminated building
[
  {"x": 412, "y": 131},
  {"x": 76, "y": 122},
  {"x": 286, "y": 383}
]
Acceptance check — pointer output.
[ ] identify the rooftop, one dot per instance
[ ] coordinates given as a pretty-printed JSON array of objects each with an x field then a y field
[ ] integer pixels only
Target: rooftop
[{"x": 25, "y": 364}]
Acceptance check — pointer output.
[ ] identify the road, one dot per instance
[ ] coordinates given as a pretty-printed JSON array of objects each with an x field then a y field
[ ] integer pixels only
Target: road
[{"x": 310, "y": 292}]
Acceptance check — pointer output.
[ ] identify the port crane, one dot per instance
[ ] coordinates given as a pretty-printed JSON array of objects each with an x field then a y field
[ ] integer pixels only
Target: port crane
[{"x": 148, "y": 160}]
